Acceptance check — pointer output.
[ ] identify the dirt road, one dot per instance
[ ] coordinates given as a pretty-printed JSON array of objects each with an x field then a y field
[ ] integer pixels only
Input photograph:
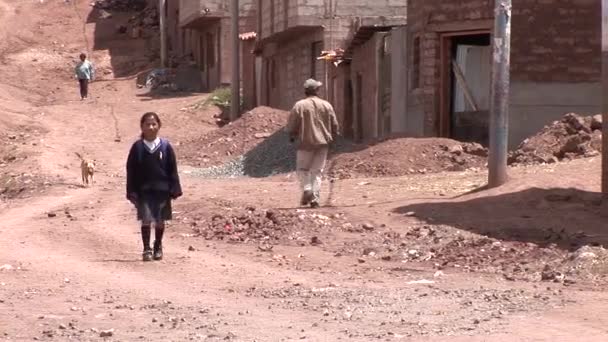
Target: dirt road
[{"x": 70, "y": 264}]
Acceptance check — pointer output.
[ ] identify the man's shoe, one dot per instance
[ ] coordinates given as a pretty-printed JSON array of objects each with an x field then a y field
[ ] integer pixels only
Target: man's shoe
[
  {"x": 307, "y": 197},
  {"x": 147, "y": 255},
  {"x": 158, "y": 252},
  {"x": 314, "y": 204}
]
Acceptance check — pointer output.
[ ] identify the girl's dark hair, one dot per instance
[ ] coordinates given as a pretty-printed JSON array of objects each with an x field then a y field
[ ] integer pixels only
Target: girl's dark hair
[{"x": 146, "y": 116}]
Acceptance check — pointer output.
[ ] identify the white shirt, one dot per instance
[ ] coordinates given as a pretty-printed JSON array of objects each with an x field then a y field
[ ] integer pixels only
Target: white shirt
[{"x": 152, "y": 145}]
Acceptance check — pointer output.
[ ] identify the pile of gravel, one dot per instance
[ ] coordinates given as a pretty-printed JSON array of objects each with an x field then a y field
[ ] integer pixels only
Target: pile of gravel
[{"x": 273, "y": 156}]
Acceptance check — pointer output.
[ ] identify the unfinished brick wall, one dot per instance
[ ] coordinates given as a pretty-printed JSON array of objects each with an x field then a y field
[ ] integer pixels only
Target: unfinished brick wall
[
  {"x": 289, "y": 27},
  {"x": 556, "y": 40},
  {"x": 552, "y": 41},
  {"x": 292, "y": 61},
  {"x": 192, "y": 9}
]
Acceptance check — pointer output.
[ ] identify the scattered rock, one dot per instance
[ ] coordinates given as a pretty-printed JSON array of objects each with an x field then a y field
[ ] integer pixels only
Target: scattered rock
[
  {"x": 264, "y": 247},
  {"x": 6, "y": 267},
  {"x": 368, "y": 226},
  {"x": 106, "y": 333},
  {"x": 369, "y": 251},
  {"x": 262, "y": 135},
  {"x": 439, "y": 274},
  {"x": 596, "y": 122},
  {"x": 548, "y": 274}
]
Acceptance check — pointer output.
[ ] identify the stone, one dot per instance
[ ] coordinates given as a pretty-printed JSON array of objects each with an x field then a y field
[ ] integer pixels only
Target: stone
[
  {"x": 106, "y": 333},
  {"x": 596, "y": 122},
  {"x": 368, "y": 226},
  {"x": 369, "y": 251},
  {"x": 456, "y": 149},
  {"x": 475, "y": 149},
  {"x": 262, "y": 135}
]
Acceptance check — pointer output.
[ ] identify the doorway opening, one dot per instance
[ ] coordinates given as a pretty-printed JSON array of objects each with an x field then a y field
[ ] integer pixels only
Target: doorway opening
[{"x": 466, "y": 63}]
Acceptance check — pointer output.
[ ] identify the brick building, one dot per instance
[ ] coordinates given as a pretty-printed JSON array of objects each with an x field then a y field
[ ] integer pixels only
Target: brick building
[
  {"x": 368, "y": 89},
  {"x": 293, "y": 33},
  {"x": 206, "y": 35},
  {"x": 555, "y": 65}
]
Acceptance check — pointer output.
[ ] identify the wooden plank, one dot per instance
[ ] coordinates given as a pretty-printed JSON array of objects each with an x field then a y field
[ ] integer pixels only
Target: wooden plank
[{"x": 462, "y": 82}]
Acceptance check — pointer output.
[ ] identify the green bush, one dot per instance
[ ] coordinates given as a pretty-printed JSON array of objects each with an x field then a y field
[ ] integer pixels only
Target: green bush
[{"x": 220, "y": 97}]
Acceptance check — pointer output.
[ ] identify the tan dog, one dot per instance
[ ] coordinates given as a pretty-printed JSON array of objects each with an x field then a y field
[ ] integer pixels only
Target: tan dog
[{"x": 87, "y": 168}]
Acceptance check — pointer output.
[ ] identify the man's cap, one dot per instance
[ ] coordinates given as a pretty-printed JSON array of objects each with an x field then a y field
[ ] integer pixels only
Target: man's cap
[{"x": 312, "y": 84}]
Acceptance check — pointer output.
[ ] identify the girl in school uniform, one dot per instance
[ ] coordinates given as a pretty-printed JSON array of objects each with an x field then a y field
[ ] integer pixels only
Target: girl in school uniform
[{"x": 152, "y": 182}]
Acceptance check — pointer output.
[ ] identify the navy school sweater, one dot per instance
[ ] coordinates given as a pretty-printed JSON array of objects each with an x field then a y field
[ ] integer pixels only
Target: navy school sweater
[{"x": 152, "y": 171}]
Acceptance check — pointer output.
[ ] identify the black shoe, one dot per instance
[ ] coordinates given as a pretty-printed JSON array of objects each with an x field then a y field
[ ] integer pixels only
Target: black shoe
[
  {"x": 307, "y": 196},
  {"x": 314, "y": 204},
  {"x": 147, "y": 255},
  {"x": 158, "y": 251}
]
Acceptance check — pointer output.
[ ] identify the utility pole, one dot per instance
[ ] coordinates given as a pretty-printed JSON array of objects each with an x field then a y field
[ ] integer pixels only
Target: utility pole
[
  {"x": 235, "y": 103},
  {"x": 499, "y": 100},
  {"x": 605, "y": 97},
  {"x": 163, "y": 33}
]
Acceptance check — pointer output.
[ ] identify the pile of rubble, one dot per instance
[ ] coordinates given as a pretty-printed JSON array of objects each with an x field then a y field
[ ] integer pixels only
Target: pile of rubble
[
  {"x": 256, "y": 145},
  {"x": 404, "y": 156},
  {"x": 268, "y": 227},
  {"x": 121, "y": 5},
  {"x": 261, "y": 125},
  {"x": 574, "y": 136},
  {"x": 445, "y": 247},
  {"x": 146, "y": 20}
]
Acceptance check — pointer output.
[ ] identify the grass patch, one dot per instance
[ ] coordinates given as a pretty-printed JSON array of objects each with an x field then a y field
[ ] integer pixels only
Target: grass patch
[{"x": 220, "y": 98}]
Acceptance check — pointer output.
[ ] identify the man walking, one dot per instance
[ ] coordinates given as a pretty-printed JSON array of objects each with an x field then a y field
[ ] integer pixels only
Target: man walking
[
  {"x": 313, "y": 123},
  {"x": 84, "y": 73}
]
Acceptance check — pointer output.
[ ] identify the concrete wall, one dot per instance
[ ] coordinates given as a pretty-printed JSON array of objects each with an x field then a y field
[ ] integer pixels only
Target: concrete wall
[
  {"x": 534, "y": 105},
  {"x": 365, "y": 63},
  {"x": 217, "y": 23},
  {"x": 555, "y": 45},
  {"x": 340, "y": 97},
  {"x": 399, "y": 86}
]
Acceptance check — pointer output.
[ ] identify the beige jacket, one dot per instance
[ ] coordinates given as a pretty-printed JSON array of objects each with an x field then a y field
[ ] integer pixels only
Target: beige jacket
[{"x": 313, "y": 122}]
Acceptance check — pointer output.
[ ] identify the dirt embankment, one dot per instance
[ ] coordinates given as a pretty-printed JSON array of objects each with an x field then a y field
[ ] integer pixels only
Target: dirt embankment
[
  {"x": 404, "y": 156},
  {"x": 235, "y": 139},
  {"x": 572, "y": 137},
  {"x": 258, "y": 137}
]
